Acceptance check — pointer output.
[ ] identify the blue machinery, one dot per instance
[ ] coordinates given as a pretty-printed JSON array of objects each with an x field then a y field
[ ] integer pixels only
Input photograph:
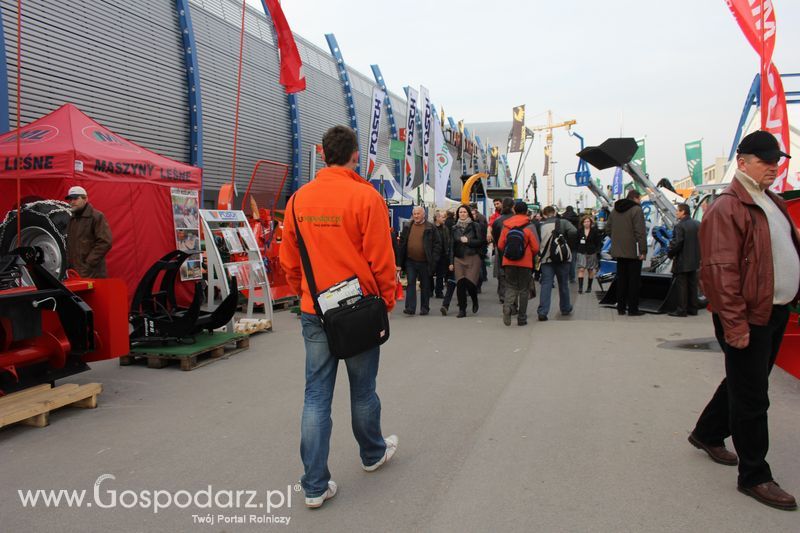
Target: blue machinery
[{"x": 754, "y": 99}]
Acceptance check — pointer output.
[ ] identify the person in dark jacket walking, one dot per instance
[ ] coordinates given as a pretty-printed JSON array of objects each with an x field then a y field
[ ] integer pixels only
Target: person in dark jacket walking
[
  {"x": 684, "y": 250},
  {"x": 506, "y": 212},
  {"x": 575, "y": 220},
  {"x": 88, "y": 236},
  {"x": 629, "y": 247},
  {"x": 750, "y": 272},
  {"x": 465, "y": 262},
  {"x": 418, "y": 252},
  {"x": 442, "y": 271},
  {"x": 588, "y": 244}
]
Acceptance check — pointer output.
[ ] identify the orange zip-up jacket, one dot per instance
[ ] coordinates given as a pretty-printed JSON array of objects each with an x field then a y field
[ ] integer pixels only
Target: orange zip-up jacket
[
  {"x": 532, "y": 244},
  {"x": 345, "y": 226}
]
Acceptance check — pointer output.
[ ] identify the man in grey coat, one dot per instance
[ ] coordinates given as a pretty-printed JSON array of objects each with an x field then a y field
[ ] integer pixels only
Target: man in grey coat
[
  {"x": 629, "y": 247},
  {"x": 684, "y": 250}
]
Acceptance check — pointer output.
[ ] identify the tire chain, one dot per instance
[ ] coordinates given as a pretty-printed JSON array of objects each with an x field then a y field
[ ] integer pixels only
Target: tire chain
[{"x": 58, "y": 204}]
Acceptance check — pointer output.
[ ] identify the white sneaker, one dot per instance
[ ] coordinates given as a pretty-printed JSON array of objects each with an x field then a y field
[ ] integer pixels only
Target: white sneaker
[
  {"x": 391, "y": 447},
  {"x": 315, "y": 503}
]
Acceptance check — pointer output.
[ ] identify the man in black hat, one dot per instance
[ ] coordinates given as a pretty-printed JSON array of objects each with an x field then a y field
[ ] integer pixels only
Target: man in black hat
[{"x": 750, "y": 271}]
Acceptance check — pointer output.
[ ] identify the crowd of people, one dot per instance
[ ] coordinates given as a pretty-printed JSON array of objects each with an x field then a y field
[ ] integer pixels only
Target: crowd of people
[{"x": 750, "y": 274}]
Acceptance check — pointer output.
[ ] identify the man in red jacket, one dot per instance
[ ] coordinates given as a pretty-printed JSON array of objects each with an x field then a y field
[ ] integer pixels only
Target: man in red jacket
[
  {"x": 345, "y": 227},
  {"x": 750, "y": 272},
  {"x": 519, "y": 247}
]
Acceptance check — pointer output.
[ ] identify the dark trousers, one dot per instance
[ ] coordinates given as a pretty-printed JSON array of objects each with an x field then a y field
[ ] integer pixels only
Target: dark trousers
[
  {"x": 463, "y": 287},
  {"x": 686, "y": 288},
  {"x": 439, "y": 277},
  {"x": 451, "y": 288},
  {"x": 418, "y": 270},
  {"x": 739, "y": 406},
  {"x": 629, "y": 281},
  {"x": 518, "y": 286}
]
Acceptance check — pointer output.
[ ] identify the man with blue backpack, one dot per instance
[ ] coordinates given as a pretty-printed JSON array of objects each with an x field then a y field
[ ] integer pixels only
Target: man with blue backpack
[
  {"x": 519, "y": 247},
  {"x": 555, "y": 257}
]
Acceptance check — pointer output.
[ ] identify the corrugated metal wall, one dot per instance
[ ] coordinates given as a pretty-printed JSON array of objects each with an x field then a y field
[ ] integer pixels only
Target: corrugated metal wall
[
  {"x": 122, "y": 63},
  {"x": 119, "y": 62}
]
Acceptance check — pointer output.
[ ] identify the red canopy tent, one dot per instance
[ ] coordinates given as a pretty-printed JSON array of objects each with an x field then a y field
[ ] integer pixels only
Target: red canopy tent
[{"x": 129, "y": 184}]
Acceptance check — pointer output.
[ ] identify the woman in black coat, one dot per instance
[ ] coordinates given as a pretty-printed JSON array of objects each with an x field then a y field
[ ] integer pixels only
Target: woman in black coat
[
  {"x": 587, "y": 247},
  {"x": 468, "y": 240}
]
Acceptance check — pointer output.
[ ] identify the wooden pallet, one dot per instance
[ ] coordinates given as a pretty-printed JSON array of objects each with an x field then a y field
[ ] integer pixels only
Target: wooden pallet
[
  {"x": 285, "y": 303},
  {"x": 32, "y": 406},
  {"x": 190, "y": 356}
]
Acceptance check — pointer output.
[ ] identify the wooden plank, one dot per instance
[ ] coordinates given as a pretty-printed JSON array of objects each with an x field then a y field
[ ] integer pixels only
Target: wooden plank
[
  {"x": 36, "y": 412},
  {"x": 23, "y": 394}
]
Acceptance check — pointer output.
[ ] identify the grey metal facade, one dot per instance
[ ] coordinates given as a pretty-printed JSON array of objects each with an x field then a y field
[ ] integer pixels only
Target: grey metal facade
[{"x": 122, "y": 63}]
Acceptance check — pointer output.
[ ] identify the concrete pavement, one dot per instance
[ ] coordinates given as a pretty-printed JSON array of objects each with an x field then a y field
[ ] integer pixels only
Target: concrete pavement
[{"x": 576, "y": 424}]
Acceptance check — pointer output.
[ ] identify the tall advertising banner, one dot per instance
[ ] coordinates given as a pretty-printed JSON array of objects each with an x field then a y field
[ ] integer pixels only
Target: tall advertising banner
[
  {"x": 411, "y": 126},
  {"x": 640, "y": 160},
  {"x": 427, "y": 119},
  {"x": 616, "y": 185},
  {"x": 494, "y": 153},
  {"x": 518, "y": 130},
  {"x": 694, "y": 161},
  {"x": 757, "y": 20},
  {"x": 378, "y": 97},
  {"x": 443, "y": 162}
]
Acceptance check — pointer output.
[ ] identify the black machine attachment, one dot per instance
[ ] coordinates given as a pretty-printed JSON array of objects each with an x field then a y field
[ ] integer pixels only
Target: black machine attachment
[{"x": 155, "y": 315}]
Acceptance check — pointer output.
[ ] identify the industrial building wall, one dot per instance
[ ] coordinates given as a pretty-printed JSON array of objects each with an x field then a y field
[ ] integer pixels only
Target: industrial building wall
[
  {"x": 119, "y": 62},
  {"x": 123, "y": 64}
]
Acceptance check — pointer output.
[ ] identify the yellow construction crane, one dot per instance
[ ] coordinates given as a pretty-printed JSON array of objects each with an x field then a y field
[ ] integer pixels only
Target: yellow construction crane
[{"x": 548, "y": 150}]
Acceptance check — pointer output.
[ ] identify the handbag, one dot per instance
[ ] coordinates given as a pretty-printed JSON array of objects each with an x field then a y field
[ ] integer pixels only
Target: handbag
[{"x": 357, "y": 324}]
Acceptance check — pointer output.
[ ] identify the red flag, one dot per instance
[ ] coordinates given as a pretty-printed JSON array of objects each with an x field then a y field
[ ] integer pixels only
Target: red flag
[
  {"x": 777, "y": 123},
  {"x": 757, "y": 20},
  {"x": 291, "y": 64}
]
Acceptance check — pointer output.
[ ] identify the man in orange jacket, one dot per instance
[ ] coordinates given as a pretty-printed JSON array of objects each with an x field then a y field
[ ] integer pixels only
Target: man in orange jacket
[
  {"x": 519, "y": 247},
  {"x": 345, "y": 226}
]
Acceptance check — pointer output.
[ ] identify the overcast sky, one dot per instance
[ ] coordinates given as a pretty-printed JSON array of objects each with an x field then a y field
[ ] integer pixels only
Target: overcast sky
[{"x": 671, "y": 70}]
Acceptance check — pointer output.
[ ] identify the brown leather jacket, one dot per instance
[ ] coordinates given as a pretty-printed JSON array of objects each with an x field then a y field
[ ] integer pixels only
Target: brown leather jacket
[
  {"x": 88, "y": 242},
  {"x": 736, "y": 271}
]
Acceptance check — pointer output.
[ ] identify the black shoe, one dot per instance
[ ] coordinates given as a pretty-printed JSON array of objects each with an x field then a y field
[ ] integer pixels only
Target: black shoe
[
  {"x": 542, "y": 318},
  {"x": 691, "y": 313},
  {"x": 677, "y": 314},
  {"x": 522, "y": 322},
  {"x": 443, "y": 310},
  {"x": 424, "y": 312},
  {"x": 620, "y": 311},
  {"x": 567, "y": 313},
  {"x": 580, "y": 291},
  {"x": 635, "y": 313},
  {"x": 439, "y": 296},
  {"x": 408, "y": 312},
  {"x": 474, "y": 307},
  {"x": 461, "y": 313}
]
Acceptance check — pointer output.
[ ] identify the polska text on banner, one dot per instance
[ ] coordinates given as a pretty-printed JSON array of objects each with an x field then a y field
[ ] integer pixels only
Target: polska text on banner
[{"x": 411, "y": 126}]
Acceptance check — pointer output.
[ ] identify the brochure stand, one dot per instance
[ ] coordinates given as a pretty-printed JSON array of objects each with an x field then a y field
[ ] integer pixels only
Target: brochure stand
[{"x": 232, "y": 229}]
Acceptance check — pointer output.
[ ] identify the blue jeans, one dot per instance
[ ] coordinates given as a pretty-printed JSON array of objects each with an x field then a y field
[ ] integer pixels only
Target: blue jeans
[
  {"x": 365, "y": 406},
  {"x": 559, "y": 271},
  {"x": 418, "y": 270}
]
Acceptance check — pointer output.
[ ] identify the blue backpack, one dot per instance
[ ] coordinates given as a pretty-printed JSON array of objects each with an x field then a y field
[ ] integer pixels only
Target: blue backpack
[{"x": 515, "y": 244}]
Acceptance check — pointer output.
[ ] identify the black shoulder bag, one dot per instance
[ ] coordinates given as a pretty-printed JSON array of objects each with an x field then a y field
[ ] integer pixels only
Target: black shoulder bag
[{"x": 357, "y": 325}]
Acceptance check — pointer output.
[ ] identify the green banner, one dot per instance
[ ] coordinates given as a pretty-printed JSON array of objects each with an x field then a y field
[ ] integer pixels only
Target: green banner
[
  {"x": 694, "y": 161},
  {"x": 639, "y": 160},
  {"x": 397, "y": 150}
]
